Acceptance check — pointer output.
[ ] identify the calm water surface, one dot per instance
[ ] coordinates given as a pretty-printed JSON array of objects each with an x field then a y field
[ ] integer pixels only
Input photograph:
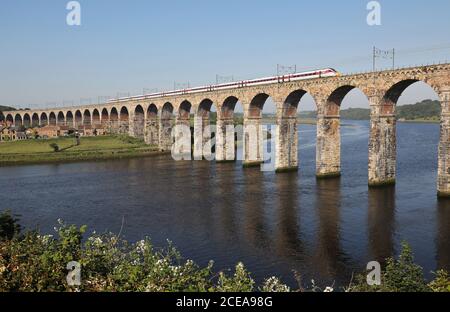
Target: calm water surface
[{"x": 273, "y": 223}]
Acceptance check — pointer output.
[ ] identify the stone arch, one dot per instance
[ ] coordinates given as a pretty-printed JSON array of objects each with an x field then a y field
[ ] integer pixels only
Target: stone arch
[
  {"x": 383, "y": 136},
  {"x": 26, "y": 120},
  {"x": 9, "y": 120},
  {"x": 35, "y": 120},
  {"x": 253, "y": 131},
  {"x": 52, "y": 119},
  {"x": 78, "y": 119},
  {"x": 204, "y": 108},
  {"x": 228, "y": 107},
  {"x": 18, "y": 120},
  {"x": 124, "y": 120},
  {"x": 167, "y": 111},
  {"x": 391, "y": 96},
  {"x": 152, "y": 126},
  {"x": 291, "y": 103},
  {"x": 165, "y": 138},
  {"x": 139, "y": 122},
  {"x": 69, "y": 118},
  {"x": 256, "y": 106},
  {"x": 328, "y": 148},
  {"x": 114, "y": 120},
  {"x": 114, "y": 115},
  {"x": 87, "y": 118},
  {"x": 124, "y": 115},
  {"x": 105, "y": 116},
  {"x": 44, "y": 119},
  {"x": 334, "y": 101},
  {"x": 226, "y": 132},
  {"x": 184, "y": 110},
  {"x": 96, "y": 117},
  {"x": 152, "y": 112},
  {"x": 61, "y": 119},
  {"x": 202, "y": 131}
]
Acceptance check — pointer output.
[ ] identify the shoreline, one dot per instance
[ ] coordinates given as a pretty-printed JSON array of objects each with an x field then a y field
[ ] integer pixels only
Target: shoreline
[
  {"x": 54, "y": 158},
  {"x": 35, "y": 152}
]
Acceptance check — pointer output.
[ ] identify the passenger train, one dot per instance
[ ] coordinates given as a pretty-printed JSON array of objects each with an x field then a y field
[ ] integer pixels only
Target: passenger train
[{"x": 327, "y": 72}]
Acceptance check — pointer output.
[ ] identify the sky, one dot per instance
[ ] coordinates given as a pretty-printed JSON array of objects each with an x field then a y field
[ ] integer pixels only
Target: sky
[{"x": 126, "y": 46}]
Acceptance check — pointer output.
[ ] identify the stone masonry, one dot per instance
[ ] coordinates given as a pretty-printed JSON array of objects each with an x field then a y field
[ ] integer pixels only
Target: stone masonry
[{"x": 381, "y": 88}]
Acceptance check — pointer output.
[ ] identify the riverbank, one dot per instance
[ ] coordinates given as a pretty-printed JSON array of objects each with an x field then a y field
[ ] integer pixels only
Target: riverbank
[
  {"x": 421, "y": 121},
  {"x": 91, "y": 148}
]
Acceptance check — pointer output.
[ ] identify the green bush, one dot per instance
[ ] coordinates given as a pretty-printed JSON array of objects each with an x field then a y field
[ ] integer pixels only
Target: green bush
[
  {"x": 401, "y": 275},
  {"x": 32, "y": 262},
  {"x": 9, "y": 225},
  {"x": 38, "y": 263},
  {"x": 441, "y": 283},
  {"x": 55, "y": 147}
]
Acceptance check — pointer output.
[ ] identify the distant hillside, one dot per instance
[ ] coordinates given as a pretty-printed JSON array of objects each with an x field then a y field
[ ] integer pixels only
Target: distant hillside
[
  {"x": 6, "y": 108},
  {"x": 425, "y": 110}
]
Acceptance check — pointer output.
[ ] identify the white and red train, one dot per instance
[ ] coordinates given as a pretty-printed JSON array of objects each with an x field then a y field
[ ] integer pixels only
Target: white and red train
[{"x": 327, "y": 72}]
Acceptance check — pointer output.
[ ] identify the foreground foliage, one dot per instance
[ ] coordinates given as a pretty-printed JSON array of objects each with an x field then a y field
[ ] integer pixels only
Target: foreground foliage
[{"x": 34, "y": 262}]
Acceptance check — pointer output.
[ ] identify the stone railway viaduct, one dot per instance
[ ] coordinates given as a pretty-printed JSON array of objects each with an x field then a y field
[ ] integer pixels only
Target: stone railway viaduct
[{"x": 153, "y": 119}]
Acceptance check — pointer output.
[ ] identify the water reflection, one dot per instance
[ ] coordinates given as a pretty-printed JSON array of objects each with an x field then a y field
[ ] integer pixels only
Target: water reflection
[
  {"x": 254, "y": 204},
  {"x": 287, "y": 234},
  {"x": 227, "y": 193},
  {"x": 328, "y": 255},
  {"x": 443, "y": 234},
  {"x": 381, "y": 223}
]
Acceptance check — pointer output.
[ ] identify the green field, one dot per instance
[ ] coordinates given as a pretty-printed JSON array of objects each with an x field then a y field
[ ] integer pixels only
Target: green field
[{"x": 91, "y": 148}]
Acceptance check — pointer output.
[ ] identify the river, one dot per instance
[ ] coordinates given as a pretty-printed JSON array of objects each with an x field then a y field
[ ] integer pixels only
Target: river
[{"x": 274, "y": 223}]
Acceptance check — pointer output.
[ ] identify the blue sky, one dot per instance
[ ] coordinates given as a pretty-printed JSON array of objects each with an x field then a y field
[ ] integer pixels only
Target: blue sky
[{"x": 125, "y": 46}]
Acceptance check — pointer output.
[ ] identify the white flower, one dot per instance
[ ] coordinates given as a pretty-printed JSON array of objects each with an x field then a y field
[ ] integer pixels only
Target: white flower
[{"x": 328, "y": 289}]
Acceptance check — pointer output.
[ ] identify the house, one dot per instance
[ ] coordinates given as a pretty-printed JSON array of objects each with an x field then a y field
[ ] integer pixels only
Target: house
[
  {"x": 48, "y": 132},
  {"x": 8, "y": 134},
  {"x": 21, "y": 135},
  {"x": 64, "y": 131},
  {"x": 3, "y": 133}
]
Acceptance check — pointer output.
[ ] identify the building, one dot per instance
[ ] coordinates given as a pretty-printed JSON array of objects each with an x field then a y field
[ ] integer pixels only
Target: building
[
  {"x": 12, "y": 134},
  {"x": 48, "y": 132}
]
